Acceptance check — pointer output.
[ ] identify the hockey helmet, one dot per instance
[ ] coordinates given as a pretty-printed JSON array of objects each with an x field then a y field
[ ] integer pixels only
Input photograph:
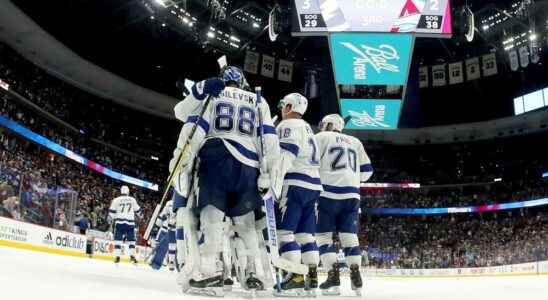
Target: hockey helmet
[
  {"x": 336, "y": 121},
  {"x": 124, "y": 190},
  {"x": 298, "y": 102}
]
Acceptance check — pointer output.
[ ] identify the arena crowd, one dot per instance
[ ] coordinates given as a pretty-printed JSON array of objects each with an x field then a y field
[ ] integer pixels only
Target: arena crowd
[{"x": 457, "y": 174}]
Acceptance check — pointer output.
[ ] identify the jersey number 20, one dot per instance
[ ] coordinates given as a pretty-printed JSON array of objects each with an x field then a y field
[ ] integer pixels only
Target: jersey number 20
[
  {"x": 225, "y": 118},
  {"x": 340, "y": 161}
]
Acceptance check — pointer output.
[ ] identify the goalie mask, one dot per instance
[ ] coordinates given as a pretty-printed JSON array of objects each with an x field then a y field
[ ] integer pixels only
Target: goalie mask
[{"x": 235, "y": 75}]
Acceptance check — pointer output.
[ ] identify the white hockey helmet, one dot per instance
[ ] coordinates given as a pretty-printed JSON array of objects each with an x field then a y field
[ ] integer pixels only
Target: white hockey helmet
[
  {"x": 124, "y": 190},
  {"x": 298, "y": 102},
  {"x": 336, "y": 121}
]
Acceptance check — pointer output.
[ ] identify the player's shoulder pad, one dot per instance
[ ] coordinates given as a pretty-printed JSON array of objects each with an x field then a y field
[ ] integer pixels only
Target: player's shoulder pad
[
  {"x": 355, "y": 140},
  {"x": 322, "y": 134}
]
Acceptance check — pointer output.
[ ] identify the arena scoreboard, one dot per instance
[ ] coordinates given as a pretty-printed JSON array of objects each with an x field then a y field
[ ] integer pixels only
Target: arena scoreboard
[{"x": 424, "y": 18}]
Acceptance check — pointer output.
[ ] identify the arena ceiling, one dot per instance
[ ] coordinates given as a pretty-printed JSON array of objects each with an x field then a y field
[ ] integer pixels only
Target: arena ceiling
[{"x": 135, "y": 40}]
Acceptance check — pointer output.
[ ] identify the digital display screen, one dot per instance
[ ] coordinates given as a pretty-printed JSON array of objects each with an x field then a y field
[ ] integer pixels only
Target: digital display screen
[
  {"x": 531, "y": 101},
  {"x": 371, "y": 114},
  {"x": 371, "y": 58},
  {"x": 422, "y": 17},
  {"x": 518, "y": 106}
]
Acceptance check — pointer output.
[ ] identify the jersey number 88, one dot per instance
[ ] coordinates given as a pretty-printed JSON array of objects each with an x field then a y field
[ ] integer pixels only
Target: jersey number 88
[{"x": 225, "y": 118}]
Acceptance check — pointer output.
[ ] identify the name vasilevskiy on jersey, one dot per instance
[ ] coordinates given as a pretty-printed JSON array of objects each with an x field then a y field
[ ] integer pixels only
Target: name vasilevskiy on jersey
[{"x": 238, "y": 96}]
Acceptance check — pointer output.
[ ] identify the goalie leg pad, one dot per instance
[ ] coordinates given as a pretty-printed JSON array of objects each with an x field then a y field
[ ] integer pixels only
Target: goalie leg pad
[
  {"x": 245, "y": 227},
  {"x": 211, "y": 220},
  {"x": 172, "y": 248},
  {"x": 161, "y": 250}
]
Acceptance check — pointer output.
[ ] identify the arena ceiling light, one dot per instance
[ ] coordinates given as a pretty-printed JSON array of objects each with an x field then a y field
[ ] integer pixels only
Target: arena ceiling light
[{"x": 161, "y": 3}]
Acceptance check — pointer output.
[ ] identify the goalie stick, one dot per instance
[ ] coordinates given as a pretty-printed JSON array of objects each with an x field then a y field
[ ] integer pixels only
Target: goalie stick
[
  {"x": 178, "y": 167},
  {"x": 277, "y": 261}
]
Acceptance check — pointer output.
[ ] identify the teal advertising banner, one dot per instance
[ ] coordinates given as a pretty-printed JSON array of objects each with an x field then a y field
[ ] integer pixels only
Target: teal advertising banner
[
  {"x": 371, "y": 58},
  {"x": 371, "y": 114}
]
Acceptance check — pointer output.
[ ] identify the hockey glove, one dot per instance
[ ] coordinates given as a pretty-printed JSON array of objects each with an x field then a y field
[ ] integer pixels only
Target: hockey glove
[
  {"x": 213, "y": 86},
  {"x": 186, "y": 159},
  {"x": 263, "y": 183}
]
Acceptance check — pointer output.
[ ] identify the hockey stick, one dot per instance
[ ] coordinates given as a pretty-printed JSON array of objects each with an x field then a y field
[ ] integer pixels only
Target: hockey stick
[
  {"x": 178, "y": 167},
  {"x": 277, "y": 261}
]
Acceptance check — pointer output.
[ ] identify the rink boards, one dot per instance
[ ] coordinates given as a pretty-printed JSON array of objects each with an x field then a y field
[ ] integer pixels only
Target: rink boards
[
  {"x": 23, "y": 235},
  {"x": 17, "y": 234}
]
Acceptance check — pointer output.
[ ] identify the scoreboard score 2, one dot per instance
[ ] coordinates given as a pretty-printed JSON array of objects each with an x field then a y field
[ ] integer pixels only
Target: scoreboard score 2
[{"x": 427, "y": 18}]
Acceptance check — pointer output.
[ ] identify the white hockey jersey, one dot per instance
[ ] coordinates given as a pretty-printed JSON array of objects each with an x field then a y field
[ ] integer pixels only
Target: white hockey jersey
[
  {"x": 166, "y": 218},
  {"x": 123, "y": 210},
  {"x": 300, "y": 156},
  {"x": 232, "y": 117},
  {"x": 344, "y": 165}
]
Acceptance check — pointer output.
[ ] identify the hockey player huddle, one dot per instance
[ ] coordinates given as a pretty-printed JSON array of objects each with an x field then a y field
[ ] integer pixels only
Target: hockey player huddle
[{"x": 231, "y": 162}]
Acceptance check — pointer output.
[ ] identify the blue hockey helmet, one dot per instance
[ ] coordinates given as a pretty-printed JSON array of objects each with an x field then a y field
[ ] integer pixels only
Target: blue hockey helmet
[{"x": 233, "y": 74}]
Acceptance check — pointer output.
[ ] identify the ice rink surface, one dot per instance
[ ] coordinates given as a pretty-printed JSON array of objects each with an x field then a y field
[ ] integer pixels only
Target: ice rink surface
[{"x": 31, "y": 275}]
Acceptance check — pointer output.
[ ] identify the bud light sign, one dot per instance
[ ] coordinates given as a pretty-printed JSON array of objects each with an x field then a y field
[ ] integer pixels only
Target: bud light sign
[
  {"x": 371, "y": 114},
  {"x": 371, "y": 58}
]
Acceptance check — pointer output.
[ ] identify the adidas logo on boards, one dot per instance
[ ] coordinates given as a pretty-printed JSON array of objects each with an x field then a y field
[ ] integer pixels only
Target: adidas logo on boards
[{"x": 48, "y": 239}]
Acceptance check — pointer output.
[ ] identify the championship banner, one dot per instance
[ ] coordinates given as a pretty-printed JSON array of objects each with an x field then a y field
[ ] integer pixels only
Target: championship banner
[
  {"x": 489, "y": 64},
  {"x": 285, "y": 71},
  {"x": 524, "y": 56},
  {"x": 472, "y": 69},
  {"x": 371, "y": 58},
  {"x": 438, "y": 75},
  {"x": 267, "y": 68},
  {"x": 251, "y": 63},
  {"x": 423, "y": 77},
  {"x": 456, "y": 74},
  {"x": 514, "y": 60},
  {"x": 372, "y": 114}
]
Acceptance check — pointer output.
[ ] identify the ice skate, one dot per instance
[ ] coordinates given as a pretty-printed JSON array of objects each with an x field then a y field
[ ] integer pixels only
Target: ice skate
[
  {"x": 253, "y": 283},
  {"x": 133, "y": 260},
  {"x": 211, "y": 286},
  {"x": 227, "y": 284},
  {"x": 117, "y": 259},
  {"x": 311, "y": 282},
  {"x": 292, "y": 286},
  {"x": 356, "y": 279},
  {"x": 331, "y": 286}
]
